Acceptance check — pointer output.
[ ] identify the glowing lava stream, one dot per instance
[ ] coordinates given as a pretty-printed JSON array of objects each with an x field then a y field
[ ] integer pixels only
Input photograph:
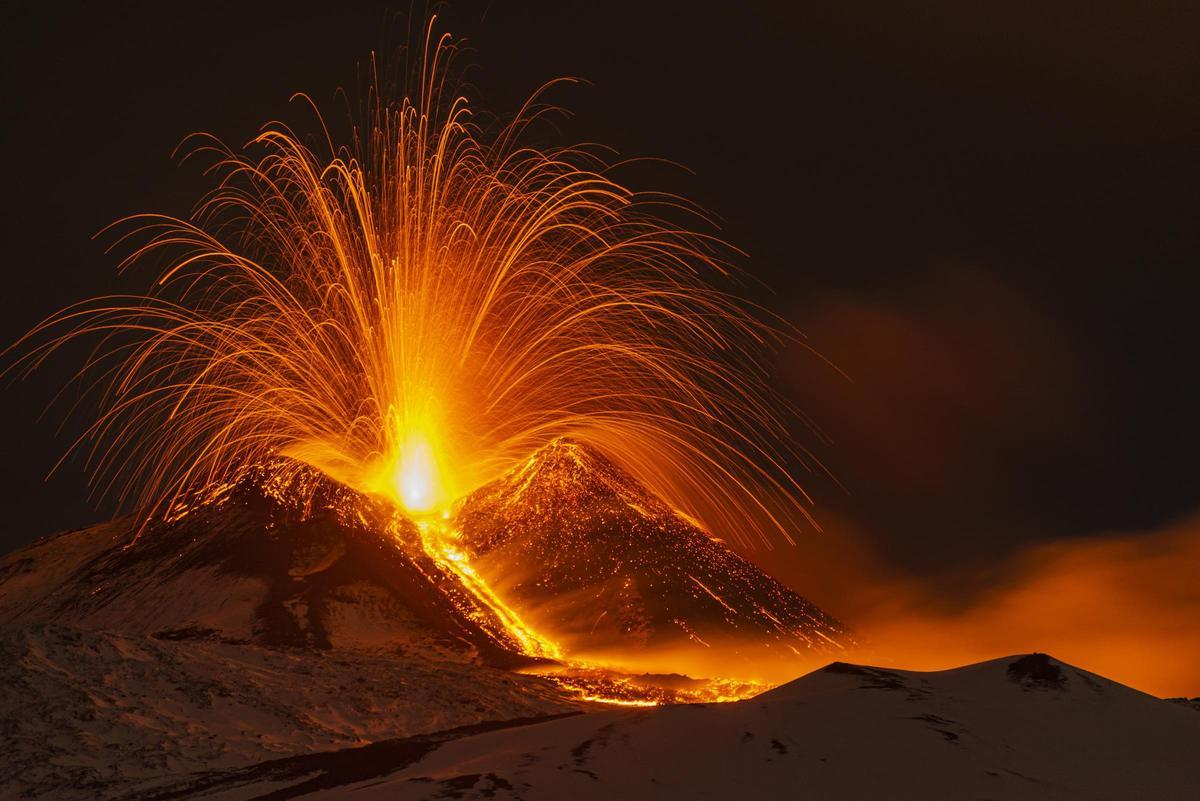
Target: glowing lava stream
[{"x": 439, "y": 541}]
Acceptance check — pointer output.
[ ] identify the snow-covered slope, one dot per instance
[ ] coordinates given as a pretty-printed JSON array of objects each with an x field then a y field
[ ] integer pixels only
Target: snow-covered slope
[
  {"x": 95, "y": 715},
  {"x": 244, "y": 630},
  {"x": 1019, "y": 728},
  {"x": 252, "y": 565}
]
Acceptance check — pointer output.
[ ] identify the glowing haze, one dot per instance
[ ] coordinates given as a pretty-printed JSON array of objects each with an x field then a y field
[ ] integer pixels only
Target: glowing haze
[{"x": 416, "y": 310}]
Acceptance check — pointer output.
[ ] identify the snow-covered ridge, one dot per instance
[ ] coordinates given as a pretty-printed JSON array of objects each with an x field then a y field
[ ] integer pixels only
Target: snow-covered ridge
[{"x": 1022, "y": 727}]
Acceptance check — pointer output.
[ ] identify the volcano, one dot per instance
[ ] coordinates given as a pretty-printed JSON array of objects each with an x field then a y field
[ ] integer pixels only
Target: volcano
[
  {"x": 570, "y": 541},
  {"x": 603, "y": 565},
  {"x": 284, "y": 613}
]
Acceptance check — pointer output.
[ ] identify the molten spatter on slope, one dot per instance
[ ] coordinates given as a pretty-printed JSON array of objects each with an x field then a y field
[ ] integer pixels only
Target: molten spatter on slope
[
  {"x": 611, "y": 573},
  {"x": 582, "y": 679},
  {"x": 304, "y": 515},
  {"x": 603, "y": 685}
]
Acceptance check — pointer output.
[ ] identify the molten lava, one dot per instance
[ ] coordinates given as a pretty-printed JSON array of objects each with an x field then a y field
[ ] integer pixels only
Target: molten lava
[
  {"x": 417, "y": 481},
  {"x": 440, "y": 542}
]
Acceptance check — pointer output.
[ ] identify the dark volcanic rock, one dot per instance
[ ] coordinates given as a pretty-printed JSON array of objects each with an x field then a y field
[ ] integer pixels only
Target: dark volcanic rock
[{"x": 1037, "y": 671}]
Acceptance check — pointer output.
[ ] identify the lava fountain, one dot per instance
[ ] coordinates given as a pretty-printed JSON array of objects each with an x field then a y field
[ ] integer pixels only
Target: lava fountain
[{"x": 414, "y": 311}]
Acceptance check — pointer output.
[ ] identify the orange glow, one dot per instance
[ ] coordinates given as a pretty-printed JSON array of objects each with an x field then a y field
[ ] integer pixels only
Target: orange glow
[{"x": 1125, "y": 607}]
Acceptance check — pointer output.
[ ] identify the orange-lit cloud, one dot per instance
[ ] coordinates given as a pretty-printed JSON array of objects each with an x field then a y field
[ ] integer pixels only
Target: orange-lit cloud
[
  {"x": 1126, "y": 607},
  {"x": 973, "y": 440}
]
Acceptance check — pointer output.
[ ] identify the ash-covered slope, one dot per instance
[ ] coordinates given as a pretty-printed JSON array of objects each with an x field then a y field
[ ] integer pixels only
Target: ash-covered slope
[
  {"x": 249, "y": 564},
  {"x": 248, "y": 628},
  {"x": 595, "y": 559},
  {"x": 1028, "y": 728}
]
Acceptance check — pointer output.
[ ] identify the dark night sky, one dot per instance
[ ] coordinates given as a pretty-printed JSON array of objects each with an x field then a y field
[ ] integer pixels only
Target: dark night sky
[{"x": 987, "y": 218}]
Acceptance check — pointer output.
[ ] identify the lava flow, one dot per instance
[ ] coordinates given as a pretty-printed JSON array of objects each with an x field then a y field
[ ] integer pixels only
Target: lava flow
[
  {"x": 442, "y": 542},
  {"x": 586, "y": 680},
  {"x": 577, "y": 565},
  {"x": 439, "y": 540}
]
